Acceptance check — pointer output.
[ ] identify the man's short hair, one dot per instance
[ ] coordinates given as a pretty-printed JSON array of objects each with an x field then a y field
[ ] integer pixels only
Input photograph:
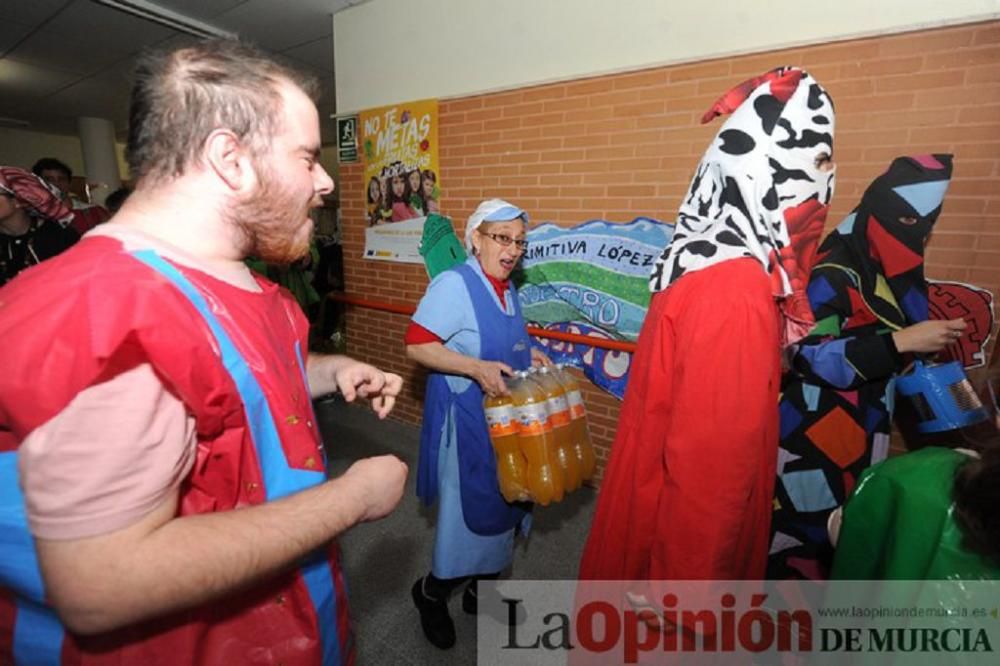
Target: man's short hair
[
  {"x": 181, "y": 95},
  {"x": 51, "y": 164}
]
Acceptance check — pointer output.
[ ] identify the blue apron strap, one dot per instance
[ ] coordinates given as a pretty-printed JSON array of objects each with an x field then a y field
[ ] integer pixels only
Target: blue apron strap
[
  {"x": 279, "y": 478},
  {"x": 38, "y": 634}
]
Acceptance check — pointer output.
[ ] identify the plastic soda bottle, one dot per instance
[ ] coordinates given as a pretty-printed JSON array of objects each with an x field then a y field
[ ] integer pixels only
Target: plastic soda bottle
[
  {"x": 559, "y": 417},
  {"x": 512, "y": 467},
  {"x": 579, "y": 432},
  {"x": 545, "y": 482}
]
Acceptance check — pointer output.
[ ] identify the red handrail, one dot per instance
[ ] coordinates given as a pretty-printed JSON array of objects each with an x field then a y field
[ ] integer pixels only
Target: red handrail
[{"x": 603, "y": 343}]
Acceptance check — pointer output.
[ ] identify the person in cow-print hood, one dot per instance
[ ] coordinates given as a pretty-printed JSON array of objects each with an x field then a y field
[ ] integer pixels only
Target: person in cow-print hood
[
  {"x": 687, "y": 491},
  {"x": 762, "y": 190}
]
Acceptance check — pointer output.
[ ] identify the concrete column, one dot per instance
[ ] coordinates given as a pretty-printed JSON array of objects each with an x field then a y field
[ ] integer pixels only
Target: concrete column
[{"x": 97, "y": 139}]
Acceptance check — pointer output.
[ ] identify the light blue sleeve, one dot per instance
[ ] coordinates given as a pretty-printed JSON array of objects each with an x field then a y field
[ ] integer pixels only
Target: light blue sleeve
[
  {"x": 446, "y": 311},
  {"x": 445, "y": 307}
]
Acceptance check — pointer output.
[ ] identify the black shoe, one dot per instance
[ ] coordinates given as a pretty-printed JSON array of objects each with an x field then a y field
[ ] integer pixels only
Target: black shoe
[
  {"x": 434, "y": 617},
  {"x": 470, "y": 601},
  {"x": 497, "y": 605}
]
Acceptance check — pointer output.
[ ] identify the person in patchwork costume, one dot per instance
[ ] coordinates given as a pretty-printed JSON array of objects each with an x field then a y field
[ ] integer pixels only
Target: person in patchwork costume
[{"x": 869, "y": 298}]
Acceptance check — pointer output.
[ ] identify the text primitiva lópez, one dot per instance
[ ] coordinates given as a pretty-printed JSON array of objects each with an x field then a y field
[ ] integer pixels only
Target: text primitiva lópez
[{"x": 578, "y": 249}]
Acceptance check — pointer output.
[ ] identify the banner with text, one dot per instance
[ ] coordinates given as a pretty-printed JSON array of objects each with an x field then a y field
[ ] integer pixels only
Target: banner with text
[{"x": 591, "y": 279}]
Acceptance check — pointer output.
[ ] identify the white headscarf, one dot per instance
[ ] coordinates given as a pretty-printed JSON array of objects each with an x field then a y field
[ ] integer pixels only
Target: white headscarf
[{"x": 491, "y": 210}]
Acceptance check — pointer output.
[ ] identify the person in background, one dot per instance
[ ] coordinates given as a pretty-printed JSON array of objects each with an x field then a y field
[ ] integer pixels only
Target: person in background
[
  {"x": 373, "y": 214},
  {"x": 33, "y": 222},
  {"x": 296, "y": 277},
  {"x": 417, "y": 202},
  {"x": 927, "y": 515},
  {"x": 155, "y": 399},
  {"x": 399, "y": 197},
  {"x": 430, "y": 192},
  {"x": 468, "y": 331},
  {"x": 687, "y": 491},
  {"x": 86, "y": 216},
  {"x": 869, "y": 298},
  {"x": 115, "y": 200}
]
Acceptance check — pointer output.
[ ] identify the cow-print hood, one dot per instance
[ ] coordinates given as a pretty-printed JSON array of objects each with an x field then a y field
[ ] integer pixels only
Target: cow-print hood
[{"x": 759, "y": 192}]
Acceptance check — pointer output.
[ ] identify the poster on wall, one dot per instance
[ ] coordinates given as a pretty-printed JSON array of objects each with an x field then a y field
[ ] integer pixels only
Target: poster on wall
[{"x": 399, "y": 150}]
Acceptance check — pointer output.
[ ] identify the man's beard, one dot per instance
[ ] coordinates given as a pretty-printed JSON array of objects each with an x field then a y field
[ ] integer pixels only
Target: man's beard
[{"x": 270, "y": 221}]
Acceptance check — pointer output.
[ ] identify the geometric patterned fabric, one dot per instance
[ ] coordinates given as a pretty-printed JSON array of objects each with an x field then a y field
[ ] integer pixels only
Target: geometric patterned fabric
[
  {"x": 808, "y": 490},
  {"x": 923, "y": 197},
  {"x": 895, "y": 257},
  {"x": 836, "y": 402},
  {"x": 838, "y": 436}
]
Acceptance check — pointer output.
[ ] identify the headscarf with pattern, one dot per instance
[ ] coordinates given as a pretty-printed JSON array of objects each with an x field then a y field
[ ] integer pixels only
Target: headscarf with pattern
[
  {"x": 759, "y": 192},
  {"x": 41, "y": 198}
]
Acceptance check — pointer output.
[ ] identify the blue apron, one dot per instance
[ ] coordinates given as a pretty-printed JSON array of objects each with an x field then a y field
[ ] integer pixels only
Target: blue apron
[{"x": 504, "y": 338}]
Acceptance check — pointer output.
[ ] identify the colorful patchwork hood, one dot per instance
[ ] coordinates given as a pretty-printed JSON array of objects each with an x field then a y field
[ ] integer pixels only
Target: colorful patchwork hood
[{"x": 881, "y": 243}]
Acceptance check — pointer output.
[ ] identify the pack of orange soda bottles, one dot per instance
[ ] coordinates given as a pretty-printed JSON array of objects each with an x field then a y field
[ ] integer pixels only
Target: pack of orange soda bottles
[{"x": 540, "y": 436}]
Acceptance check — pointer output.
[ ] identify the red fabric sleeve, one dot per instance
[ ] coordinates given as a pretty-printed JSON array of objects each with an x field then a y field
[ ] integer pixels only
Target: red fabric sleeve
[
  {"x": 418, "y": 335},
  {"x": 85, "y": 219}
]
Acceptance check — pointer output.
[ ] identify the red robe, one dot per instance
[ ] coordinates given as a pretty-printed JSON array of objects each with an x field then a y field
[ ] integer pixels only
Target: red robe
[{"x": 687, "y": 490}]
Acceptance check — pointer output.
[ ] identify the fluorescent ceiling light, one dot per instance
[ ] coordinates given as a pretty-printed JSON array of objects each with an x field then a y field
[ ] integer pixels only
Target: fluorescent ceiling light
[
  {"x": 7, "y": 121},
  {"x": 165, "y": 17}
]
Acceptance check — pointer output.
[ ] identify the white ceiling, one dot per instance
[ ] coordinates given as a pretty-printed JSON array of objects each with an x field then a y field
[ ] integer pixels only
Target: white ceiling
[{"x": 62, "y": 59}]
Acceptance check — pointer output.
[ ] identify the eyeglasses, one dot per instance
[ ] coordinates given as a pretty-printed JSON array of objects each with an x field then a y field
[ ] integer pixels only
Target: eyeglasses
[{"x": 506, "y": 240}]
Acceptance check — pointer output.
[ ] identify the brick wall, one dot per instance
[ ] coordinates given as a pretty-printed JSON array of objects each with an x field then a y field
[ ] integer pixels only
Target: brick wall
[{"x": 616, "y": 147}]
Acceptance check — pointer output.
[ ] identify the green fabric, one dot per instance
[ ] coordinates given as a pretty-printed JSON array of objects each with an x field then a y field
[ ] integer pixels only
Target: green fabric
[
  {"x": 828, "y": 326},
  {"x": 898, "y": 523},
  {"x": 439, "y": 245},
  {"x": 295, "y": 278}
]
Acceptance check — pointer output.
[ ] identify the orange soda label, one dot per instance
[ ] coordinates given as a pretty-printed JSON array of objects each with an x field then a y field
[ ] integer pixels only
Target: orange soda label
[
  {"x": 559, "y": 414},
  {"x": 532, "y": 419},
  {"x": 501, "y": 420},
  {"x": 576, "y": 408}
]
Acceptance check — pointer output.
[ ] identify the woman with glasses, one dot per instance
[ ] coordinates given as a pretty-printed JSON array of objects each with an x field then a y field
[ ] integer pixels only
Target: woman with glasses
[{"x": 468, "y": 331}]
